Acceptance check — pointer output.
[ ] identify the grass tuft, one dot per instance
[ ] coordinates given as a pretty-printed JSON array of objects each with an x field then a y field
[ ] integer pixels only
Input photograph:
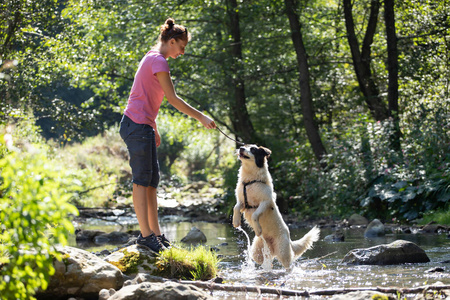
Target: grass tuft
[{"x": 189, "y": 264}]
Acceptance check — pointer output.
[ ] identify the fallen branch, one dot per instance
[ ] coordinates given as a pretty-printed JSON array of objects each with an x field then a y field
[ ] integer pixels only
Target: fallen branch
[
  {"x": 321, "y": 292},
  {"x": 322, "y": 257}
]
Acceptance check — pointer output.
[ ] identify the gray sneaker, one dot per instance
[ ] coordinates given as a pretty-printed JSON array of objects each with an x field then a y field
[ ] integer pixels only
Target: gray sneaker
[
  {"x": 163, "y": 240},
  {"x": 151, "y": 242}
]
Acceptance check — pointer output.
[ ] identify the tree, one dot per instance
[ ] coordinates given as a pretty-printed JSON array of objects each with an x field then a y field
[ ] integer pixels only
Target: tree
[
  {"x": 392, "y": 65},
  {"x": 311, "y": 127},
  {"x": 239, "y": 114},
  {"x": 362, "y": 58}
]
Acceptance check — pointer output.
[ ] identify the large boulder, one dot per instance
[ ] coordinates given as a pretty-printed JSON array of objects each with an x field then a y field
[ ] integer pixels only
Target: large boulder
[
  {"x": 374, "y": 229},
  {"x": 398, "y": 252},
  {"x": 81, "y": 274},
  {"x": 133, "y": 259},
  {"x": 156, "y": 291}
]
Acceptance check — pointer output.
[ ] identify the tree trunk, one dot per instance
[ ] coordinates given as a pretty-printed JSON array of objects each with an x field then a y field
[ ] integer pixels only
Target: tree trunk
[
  {"x": 391, "y": 37},
  {"x": 239, "y": 115},
  {"x": 361, "y": 59},
  {"x": 312, "y": 130}
]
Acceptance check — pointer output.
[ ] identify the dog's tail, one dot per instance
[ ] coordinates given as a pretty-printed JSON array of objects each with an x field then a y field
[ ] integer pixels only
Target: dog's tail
[{"x": 306, "y": 242}]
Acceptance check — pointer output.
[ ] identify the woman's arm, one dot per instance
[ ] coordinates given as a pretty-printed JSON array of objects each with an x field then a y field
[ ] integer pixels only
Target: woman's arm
[{"x": 166, "y": 84}]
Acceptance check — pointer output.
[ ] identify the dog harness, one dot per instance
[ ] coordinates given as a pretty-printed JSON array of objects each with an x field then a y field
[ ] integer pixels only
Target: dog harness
[{"x": 246, "y": 206}]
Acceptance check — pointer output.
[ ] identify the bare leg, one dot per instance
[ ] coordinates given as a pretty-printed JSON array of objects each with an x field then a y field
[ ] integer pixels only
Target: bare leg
[
  {"x": 153, "y": 210},
  {"x": 141, "y": 207}
]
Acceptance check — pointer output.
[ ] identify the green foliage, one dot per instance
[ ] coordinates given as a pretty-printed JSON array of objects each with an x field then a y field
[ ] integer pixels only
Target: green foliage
[
  {"x": 101, "y": 167},
  {"x": 198, "y": 263},
  {"x": 73, "y": 63},
  {"x": 440, "y": 217},
  {"x": 366, "y": 176},
  {"x": 189, "y": 150},
  {"x": 34, "y": 214}
]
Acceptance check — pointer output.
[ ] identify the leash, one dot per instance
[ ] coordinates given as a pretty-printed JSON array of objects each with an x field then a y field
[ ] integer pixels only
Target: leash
[{"x": 239, "y": 143}]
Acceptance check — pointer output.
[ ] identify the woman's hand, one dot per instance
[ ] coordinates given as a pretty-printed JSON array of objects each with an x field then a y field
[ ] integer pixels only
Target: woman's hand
[
  {"x": 208, "y": 122},
  {"x": 157, "y": 138}
]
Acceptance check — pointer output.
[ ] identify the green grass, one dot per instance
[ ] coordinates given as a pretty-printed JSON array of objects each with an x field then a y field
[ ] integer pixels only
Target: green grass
[
  {"x": 440, "y": 217},
  {"x": 189, "y": 264},
  {"x": 101, "y": 163}
]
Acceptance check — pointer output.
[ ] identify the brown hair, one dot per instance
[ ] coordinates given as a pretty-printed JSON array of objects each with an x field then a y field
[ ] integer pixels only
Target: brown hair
[{"x": 169, "y": 30}]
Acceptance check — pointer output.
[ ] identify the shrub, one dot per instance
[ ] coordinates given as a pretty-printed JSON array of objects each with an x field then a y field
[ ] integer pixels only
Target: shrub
[{"x": 34, "y": 216}]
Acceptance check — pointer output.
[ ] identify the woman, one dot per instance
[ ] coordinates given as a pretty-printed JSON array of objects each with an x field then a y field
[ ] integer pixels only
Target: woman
[{"x": 139, "y": 131}]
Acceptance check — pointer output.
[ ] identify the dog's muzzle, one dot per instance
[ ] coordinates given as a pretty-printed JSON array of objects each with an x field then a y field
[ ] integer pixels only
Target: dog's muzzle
[{"x": 242, "y": 153}]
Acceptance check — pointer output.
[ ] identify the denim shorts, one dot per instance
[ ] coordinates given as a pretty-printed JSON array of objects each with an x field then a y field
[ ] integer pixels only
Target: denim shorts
[{"x": 141, "y": 144}]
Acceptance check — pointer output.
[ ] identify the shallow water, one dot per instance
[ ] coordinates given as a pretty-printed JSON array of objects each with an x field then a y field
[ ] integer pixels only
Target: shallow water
[{"x": 319, "y": 268}]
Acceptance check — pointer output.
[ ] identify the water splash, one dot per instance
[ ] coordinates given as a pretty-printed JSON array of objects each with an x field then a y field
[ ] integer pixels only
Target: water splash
[
  {"x": 249, "y": 265},
  {"x": 267, "y": 263}
]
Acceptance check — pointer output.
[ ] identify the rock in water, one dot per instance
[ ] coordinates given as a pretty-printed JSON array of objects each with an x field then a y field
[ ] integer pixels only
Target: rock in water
[
  {"x": 374, "y": 229},
  {"x": 357, "y": 220},
  {"x": 195, "y": 236},
  {"x": 398, "y": 252}
]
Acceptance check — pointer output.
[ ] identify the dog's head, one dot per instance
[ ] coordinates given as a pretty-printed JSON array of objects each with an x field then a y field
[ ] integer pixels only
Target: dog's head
[{"x": 254, "y": 153}]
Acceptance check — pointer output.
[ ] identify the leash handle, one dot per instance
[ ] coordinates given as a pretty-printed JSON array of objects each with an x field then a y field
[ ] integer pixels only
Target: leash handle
[{"x": 239, "y": 143}]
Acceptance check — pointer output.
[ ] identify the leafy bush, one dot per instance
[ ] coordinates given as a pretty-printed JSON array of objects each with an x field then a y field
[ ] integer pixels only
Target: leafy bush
[
  {"x": 365, "y": 176},
  {"x": 34, "y": 216},
  {"x": 189, "y": 150},
  {"x": 101, "y": 165}
]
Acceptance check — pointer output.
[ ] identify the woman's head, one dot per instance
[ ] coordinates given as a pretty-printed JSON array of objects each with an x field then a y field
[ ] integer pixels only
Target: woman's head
[{"x": 169, "y": 30}]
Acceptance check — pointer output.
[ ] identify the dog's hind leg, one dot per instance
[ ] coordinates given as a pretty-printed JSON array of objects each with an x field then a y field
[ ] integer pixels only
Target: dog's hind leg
[
  {"x": 285, "y": 254},
  {"x": 257, "y": 250}
]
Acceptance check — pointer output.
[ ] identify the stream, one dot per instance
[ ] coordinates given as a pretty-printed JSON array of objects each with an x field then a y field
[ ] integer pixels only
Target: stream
[{"x": 319, "y": 268}]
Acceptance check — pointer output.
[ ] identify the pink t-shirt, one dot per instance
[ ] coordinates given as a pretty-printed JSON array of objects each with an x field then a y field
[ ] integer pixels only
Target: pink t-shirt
[{"x": 146, "y": 93}]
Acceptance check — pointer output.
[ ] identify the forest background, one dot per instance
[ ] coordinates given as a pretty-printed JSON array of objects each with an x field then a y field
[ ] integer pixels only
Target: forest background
[{"x": 351, "y": 96}]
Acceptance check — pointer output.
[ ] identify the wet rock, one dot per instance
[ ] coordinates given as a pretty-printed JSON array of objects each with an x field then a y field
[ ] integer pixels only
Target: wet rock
[
  {"x": 363, "y": 295},
  {"x": 433, "y": 228},
  {"x": 357, "y": 220},
  {"x": 337, "y": 236},
  {"x": 435, "y": 270},
  {"x": 195, "y": 236},
  {"x": 112, "y": 238},
  {"x": 374, "y": 229},
  {"x": 144, "y": 277},
  {"x": 406, "y": 230},
  {"x": 397, "y": 252},
  {"x": 133, "y": 259},
  {"x": 81, "y": 274},
  {"x": 88, "y": 235},
  {"x": 158, "y": 291}
]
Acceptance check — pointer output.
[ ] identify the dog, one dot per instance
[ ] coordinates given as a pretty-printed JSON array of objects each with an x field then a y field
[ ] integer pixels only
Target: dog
[{"x": 256, "y": 201}]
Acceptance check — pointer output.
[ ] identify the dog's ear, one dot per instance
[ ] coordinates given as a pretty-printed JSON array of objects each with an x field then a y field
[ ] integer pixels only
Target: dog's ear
[
  {"x": 260, "y": 155},
  {"x": 268, "y": 152}
]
